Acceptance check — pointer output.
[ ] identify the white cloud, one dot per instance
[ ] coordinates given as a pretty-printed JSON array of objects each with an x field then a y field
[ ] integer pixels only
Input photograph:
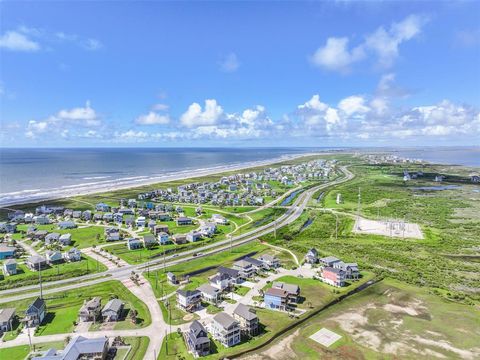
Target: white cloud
[
  {"x": 92, "y": 44},
  {"x": 16, "y": 41},
  {"x": 335, "y": 55},
  {"x": 384, "y": 43},
  {"x": 195, "y": 116},
  {"x": 314, "y": 104},
  {"x": 64, "y": 119},
  {"x": 152, "y": 118},
  {"x": 229, "y": 63},
  {"x": 353, "y": 104},
  {"x": 137, "y": 136},
  {"x": 160, "y": 107}
]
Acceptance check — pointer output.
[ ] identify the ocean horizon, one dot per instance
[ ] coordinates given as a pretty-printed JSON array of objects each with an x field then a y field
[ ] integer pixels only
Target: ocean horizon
[{"x": 37, "y": 173}]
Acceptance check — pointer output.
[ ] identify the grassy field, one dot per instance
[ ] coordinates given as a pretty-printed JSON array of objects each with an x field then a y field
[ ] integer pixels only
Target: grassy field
[
  {"x": 446, "y": 260},
  {"x": 25, "y": 276},
  {"x": 139, "y": 345},
  {"x": 389, "y": 320},
  {"x": 21, "y": 352},
  {"x": 62, "y": 309}
]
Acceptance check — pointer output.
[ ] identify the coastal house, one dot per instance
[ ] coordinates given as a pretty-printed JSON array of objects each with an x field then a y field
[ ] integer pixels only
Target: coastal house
[
  {"x": 40, "y": 234},
  {"x": 172, "y": 278},
  {"x": 65, "y": 239},
  {"x": 51, "y": 238},
  {"x": 7, "y": 316},
  {"x": 225, "y": 329},
  {"x": 35, "y": 313},
  {"x": 77, "y": 214},
  {"x": 133, "y": 244},
  {"x": 112, "y": 234},
  {"x": 102, "y": 207},
  {"x": 149, "y": 241},
  {"x": 163, "y": 238},
  {"x": 157, "y": 229},
  {"x": 256, "y": 264},
  {"x": 350, "y": 269},
  {"x": 72, "y": 255},
  {"x": 247, "y": 318},
  {"x": 87, "y": 215},
  {"x": 7, "y": 252},
  {"x": 53, "y": 256},
  {"x": 275, "y": 299},
  {"x": 270, "y": 261},
  {"x": 90, "y": 309},
  {"x": 208, "y": 229},
  {"x": 312, "y": 256},
  {"x": 188, "y": 300},
  {"x": 66, "y": 225},
  {"x": 41, "y": 220},
  {"x": 219, "y": 219},
  {"x": 118, "y": 218},
  {"x": 140, "y": 221},
  {"x": 112, "y": 311},
  {"x": 333, "y": 276},
  {"x": 36, "y": 262},
  {"x": 329, "y": 261},
  {"x": 193, "y": 236},
  {"x": 179, "y": 239},
  {"x": 244, "y": 268},
  {"x": 209, "y": 293},
  {"x": 182, "y": 220},
  {"x": 9, "y": 228},
  {"x": 9, "y": 267},
  {"x": 197, "y": 340},
  {"x": 108, "y": 217},
  {"x": 78, "y": 348},
  {"x": 292, "y": 290},
  {"x": 221, "y": 281}
]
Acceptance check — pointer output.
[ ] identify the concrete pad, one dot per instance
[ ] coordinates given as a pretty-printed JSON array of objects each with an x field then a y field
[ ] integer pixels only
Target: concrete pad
[
  {"x": 248, "y": 284},
  {"x": 391, "y": 228},
  {"x": 325, "y": 337}
]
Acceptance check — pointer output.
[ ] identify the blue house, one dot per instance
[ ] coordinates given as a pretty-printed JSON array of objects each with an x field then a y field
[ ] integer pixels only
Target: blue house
[
  {"x": 275, "y": 299},
  {"x": 102, "y": 207},
  {"x": 163, "y": 238},
  {"x": 66, "y": 225},
  {"x": 6, "y": 252}
]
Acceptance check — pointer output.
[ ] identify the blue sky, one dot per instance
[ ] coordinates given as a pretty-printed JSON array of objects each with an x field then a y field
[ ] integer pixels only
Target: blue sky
[{"x": 240, "y": 73}]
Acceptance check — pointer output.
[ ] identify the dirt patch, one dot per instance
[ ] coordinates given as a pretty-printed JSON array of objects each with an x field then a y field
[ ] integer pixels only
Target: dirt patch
[
  {"x": 188, "y": 317},
  {"x": 281, "y": 350}
]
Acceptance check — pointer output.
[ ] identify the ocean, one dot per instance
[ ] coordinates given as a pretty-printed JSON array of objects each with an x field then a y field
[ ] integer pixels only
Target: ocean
[
  {"x": 33, "y": 174},
  {"x": 38, "y": 174},
  {"x": 466, "y": 156}
]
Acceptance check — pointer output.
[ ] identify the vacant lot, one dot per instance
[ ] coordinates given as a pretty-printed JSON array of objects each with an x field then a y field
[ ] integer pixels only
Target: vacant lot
[{"x": 387, "y": 320}]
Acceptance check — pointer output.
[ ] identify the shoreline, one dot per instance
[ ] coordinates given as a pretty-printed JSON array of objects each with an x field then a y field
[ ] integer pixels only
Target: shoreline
[{"x": 132, "y": 182}]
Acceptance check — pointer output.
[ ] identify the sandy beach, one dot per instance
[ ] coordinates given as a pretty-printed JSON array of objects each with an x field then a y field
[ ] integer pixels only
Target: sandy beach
[{"x": 42, "y": 195}]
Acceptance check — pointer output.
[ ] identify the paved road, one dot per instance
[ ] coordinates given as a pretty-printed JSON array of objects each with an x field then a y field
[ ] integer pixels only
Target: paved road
[{"x": 158, "y": 329}]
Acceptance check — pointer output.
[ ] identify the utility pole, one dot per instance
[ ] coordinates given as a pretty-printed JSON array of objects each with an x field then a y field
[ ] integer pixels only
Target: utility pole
[
  {"x": 164, "y": 266},
  {"x": 156, "y": 280},
  {"x": 40, "y": 280}
]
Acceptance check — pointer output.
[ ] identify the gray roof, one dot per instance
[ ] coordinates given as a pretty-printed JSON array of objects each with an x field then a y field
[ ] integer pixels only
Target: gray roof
[
  {"x": 187, "y": 293},
  {"x": 290, "y": 288},
  {"x": 242, "y": 264},
  {"x": 36, "y": 259},
  {"x": 10, "y": 262},
  {"x": 6, "y": 314},
  {"x": 226, "y": 321},
  {"x": 268, "y": 257},
  {"x": 329, "y": 259},
  {"x": 195, "y": 330},
  {"x": 245, "y": 312},
  {"x": 113, "y": 305},
  {"x": 208, "y": 289},
  {"x": 77, "y": 347},
  {"x": 253, "y": 261},
  {"x": 231, "y": 272},
  {"x": 334, "y": 270}
]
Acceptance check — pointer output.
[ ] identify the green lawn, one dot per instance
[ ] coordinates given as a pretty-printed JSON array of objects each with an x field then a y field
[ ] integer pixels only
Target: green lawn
[
  {"x": 21, "y": 352},
  {"x": 25, "y": 276},
  {"x": 62, "y": 308},
  {"x": 139, "y": 345}
]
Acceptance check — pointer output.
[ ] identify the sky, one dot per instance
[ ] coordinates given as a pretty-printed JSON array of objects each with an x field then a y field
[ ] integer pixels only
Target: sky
[{"x": 337, "y": 73}]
